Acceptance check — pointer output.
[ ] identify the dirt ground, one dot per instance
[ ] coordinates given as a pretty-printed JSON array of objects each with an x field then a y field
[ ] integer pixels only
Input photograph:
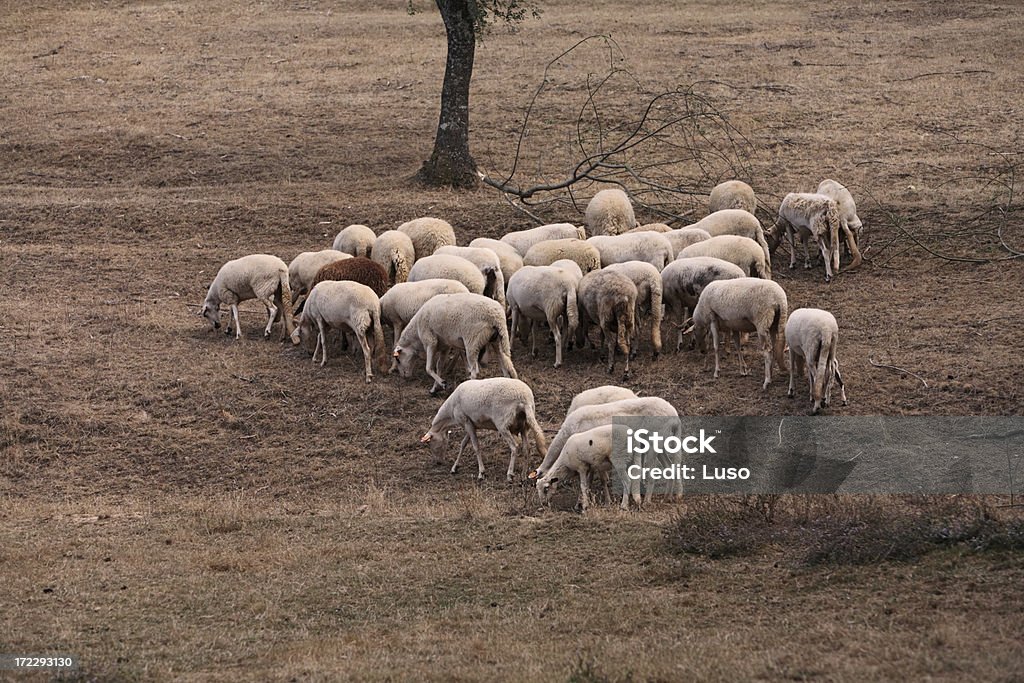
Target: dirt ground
[{"x": 179, "y": 505}]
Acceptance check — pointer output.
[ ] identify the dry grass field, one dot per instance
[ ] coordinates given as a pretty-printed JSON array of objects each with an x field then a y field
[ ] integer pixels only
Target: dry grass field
[{"x": 177, "y": 505}]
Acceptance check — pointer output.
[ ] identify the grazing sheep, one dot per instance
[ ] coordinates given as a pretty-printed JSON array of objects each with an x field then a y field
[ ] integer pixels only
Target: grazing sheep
[
  {"x": 345, "y": 303},
  {"x": 510, "y": 259},
  {"x": 588, "y": 417},
  {"x": 684, "y": 279},
  {"x": 356, "y": 240},
  {"x": 743, "y": 251},
  {"x": 683, "y": 237},
  {"x": 598, "y": 395},
  {"x": 544, "y": 294},
  {"x": 452, "y": 321},
  {"x": 848, "y": 219},
  {"x": 452, "y": 268},
  {"x": 394, "y": 252},
  {"x": 403, "y": 300},
  {"x": 649, "y": 296},
  {"x": 356, "y": 269},
  {"x": 610, "y": 212},
  {"x": 584, "y": 254},
  {"x": 570, "y": 266},
  {"x": 427, "y": 234},
  {"x": 652, "y": 247},
  {"x": 258, "y": 276},
  {"x": 813, "y": 216},
  {"x": 744, "y": 304},
  {"x": 735, "y": 222},
  {"x": 522, "y": 240},
  {"x": 304, "y": 267},
  {"x": 608, "y": 300},
  {"x": 813, "y": 335},
  {"x": 584, "y": 454},
  {"x": 652, "y": 227},
  {"x": 488, "y": 264},
  {"x": 499, "y": 403},
  {"x": 732, "y": 194}
]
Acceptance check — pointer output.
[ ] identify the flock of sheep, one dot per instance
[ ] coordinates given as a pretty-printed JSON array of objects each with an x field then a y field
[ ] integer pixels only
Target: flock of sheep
[{"x": 712, "y": 278}]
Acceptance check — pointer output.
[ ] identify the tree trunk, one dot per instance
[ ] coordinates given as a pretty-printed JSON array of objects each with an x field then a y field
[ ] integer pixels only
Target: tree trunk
[{"x": 451, "y": 163}]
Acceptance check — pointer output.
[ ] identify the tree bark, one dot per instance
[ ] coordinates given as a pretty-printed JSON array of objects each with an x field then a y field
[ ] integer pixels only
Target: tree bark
[{"x": 451, "y": 163}]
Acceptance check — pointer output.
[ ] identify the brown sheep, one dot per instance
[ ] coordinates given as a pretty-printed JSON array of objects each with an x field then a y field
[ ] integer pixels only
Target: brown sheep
[{"x": 357, "y": 269}]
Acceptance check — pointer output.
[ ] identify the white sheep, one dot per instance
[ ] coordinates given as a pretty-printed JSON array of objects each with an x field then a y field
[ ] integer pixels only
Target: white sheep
[
  {"x": 584, "y": 454},
  {"x": 511, "y": 260},
  {"x": 607, "y": 393},
  {"x": 588, "y": 417},
  {"x": 257, "y": 276},
  {"x": 571, "y": 266},
  {"x": 584, "y": 254},
  {"x": 544, "y": 294},
  {"x": 684, "y": 279},
  {"x": 522, "y": 240},
  {"x": 743, "y": 251},
  {"x": 732, "y": 194},
  {"x": 488, "y": 264},
  {"x": 813, "y": 337},
  {"x": 813, "y": 216},
  {"x": 848, "y": 219},
  {"x": 401, "y": 302},
  {"x": 649, "y": 298},
  {"x": 652, "y": 227},
  {"x": 744, "y": 304},
  {"x": 450, "y": 267},
  {"x": 427, "y": 234},
  {"x": 304, "y": 267},
  {"x": 735, "y": 222},
  {"x": 610, "y": 212},
  {"x": 453, "y": 321},
  {"x": 608, "y": 299},
  {"x": 503, "y": 404},
  {"x": 394, "y": 251},
  {"x": 652, "y": 247},
  {"x": 356, "y": 240},
  {"x": 343, "y": 304},
  {"x": 683, "y": 237}
]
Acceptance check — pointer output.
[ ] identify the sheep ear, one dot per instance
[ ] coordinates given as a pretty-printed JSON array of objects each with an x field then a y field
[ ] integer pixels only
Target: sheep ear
[
  {"x": 425, "y": 438},
  {"x": 532, "y": 475},
  {"x": 396, "y": 353},
  {"x": 688, "y": 330}
]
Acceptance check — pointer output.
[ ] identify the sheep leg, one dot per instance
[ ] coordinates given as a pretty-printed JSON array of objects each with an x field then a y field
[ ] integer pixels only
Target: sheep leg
[
  {"x": 714, "y": 342},
  {"x": 513, "y": 447},
  {"x": 826, "y": 256},
  {"x": 556, "y": 330},
  {"x": 471, "y": 432},
  {"x": 432, "y": 358},
  {"x": 365, "y": 346},
  {"x": 238, "y": 325},
  {"x": 839, "y": 381},
  {"x": 792, "y": 372},
  {"x": 584, "y": 487},
  {"x": 807, "y": 253},
  {"x": 739, "y": 354},
  {"x": 458, "y": 456},
  {"x": 321, "y": 342},
  {"x": 271, "y": 312},
  {"x": 610, "y": 343},
  {"x": 766, "y": 348},
  {"x": 533, "y": 339}
]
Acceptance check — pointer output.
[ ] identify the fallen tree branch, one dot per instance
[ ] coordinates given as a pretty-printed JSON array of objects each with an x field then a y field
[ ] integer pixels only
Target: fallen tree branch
[{"x": 898, "y": 369}]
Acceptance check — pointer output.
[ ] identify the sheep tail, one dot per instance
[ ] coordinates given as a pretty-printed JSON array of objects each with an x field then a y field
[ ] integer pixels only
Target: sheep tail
[
  {"x": 538, "y": 434},
  {"x": 399, "y": 267},
  {"x": 572, "y": 312},
  {"x": 284, "y": 290},
  {"x": 824, "y": 365},
  {"x": 778, "y": 336},
  {"x": 492, "y": 278},
  {"x": 832, "y": 217},
  {"x": 379, "y": 348},
  {"x": 624, "y": 321}
]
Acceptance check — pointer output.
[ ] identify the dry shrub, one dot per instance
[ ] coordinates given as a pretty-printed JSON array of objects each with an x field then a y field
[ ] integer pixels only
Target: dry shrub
[{"x": 843, "y": 530}]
